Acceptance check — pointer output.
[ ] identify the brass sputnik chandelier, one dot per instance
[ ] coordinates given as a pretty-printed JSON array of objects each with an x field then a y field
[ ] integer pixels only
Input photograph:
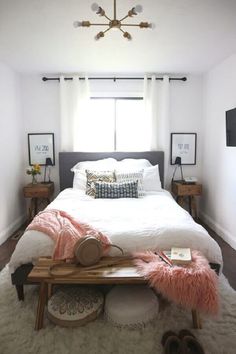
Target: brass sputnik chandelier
[{"x": 114, "y": 23}]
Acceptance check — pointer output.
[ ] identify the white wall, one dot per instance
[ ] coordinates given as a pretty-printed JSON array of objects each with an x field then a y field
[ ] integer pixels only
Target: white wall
[
  {"x": 40, "y": 102},
  {"x": 41, "y": 110},
  {"x": 11, "y": 154},
  {"x": 186, "y": 116},
  {"x": 219, "y": 162}
]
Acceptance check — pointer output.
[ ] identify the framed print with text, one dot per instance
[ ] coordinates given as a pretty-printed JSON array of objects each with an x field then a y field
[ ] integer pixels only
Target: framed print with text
[
  {"x": 41, "y": 146},
  {"x": 184, "y": 145}
]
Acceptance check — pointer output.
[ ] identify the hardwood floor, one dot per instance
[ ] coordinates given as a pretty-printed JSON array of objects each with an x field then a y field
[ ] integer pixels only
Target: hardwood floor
[
  {"x": 229, "y": 254},
  {"x": 229, "y": 257}
]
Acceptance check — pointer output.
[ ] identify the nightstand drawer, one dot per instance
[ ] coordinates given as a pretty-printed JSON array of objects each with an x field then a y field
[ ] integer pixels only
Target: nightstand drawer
[
  {"x": 186, "y": 189},
  {"x": 30, "y": 193},
  {"x": 38, "y": 190},
  {"x": 40, "y": 195}
]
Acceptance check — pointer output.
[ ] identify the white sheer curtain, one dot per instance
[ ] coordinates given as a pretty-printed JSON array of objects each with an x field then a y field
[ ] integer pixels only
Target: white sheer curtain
[
  {"x": 74, "y": 104},
  {"x": 157, "y": 102}
]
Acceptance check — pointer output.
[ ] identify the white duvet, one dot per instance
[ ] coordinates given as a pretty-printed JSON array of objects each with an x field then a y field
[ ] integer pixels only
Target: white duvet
[{"x": 152, "y": 222}]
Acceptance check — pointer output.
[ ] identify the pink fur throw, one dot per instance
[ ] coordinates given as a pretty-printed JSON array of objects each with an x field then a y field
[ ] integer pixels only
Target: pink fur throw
[
  {"x": 194, "y": 286},
  {"x": 65, "y": 231}
]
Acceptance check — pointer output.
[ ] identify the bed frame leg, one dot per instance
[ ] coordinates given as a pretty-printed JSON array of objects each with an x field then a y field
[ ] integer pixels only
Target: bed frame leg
[{"x": 20, "y": 292}]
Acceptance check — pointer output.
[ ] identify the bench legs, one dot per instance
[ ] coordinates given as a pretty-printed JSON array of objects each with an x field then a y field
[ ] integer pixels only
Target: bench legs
[
  {"x": 46, "y": 291},
  {"x": 20, "y": 292},
  {"x": 43, "y": 295},
  {"x": 196, "y": 320}
]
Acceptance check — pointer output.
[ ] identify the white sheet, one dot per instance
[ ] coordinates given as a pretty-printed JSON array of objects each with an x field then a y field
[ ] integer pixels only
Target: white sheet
[{"x": 150, "y": 222}]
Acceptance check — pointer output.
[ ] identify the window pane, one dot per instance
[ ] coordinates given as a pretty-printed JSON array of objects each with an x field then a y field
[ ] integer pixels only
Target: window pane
[
  {"x": 97, "y": 129},
  {"x": 132, "y": 129}
]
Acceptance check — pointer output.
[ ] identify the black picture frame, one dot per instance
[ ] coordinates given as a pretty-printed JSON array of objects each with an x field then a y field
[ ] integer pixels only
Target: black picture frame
[
  {"x": 184, "y": 145},
  {"x": 40, "y": 147}
]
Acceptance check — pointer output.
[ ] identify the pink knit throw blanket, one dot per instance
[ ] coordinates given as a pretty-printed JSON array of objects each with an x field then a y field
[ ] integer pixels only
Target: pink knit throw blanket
[
  {"x": 65, "y": 231},
  {"x": 194, "y": 286}
]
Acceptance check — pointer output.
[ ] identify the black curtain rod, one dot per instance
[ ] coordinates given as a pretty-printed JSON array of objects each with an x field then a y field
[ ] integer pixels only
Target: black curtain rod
[{"x": 113, "y": 78}]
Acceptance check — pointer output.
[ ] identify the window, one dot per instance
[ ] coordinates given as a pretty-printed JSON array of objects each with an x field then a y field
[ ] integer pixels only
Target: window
[{"x": 115, "y": 124}]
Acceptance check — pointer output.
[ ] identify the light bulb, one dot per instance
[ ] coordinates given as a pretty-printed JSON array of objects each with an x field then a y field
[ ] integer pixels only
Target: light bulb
[
  {"x": 99, "y": 35},
  {"x": 152, "y": 25},
  {"x": 94, "y": 6},
  {"x": 138, "y": 8},
  {"x": 77, "y": 24},
  {"x": 127, "y": 35}
]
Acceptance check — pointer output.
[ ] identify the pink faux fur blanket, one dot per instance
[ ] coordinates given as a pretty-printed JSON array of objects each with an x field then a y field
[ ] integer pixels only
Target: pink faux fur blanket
[
  {"x": 194, "y": 286},
  {"x": 65, "y": 231}
]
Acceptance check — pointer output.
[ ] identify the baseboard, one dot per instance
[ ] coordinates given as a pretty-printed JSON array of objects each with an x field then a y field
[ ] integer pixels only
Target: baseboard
[
  {"x": 7, "y": 232},
  {"x": 224, "y": 234}
]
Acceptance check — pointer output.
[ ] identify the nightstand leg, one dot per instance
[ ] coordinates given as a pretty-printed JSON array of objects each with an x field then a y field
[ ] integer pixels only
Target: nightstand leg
[
  {"x": 35, "y": 206},
  {"x": 194, "y": 207},
  {"x": 180, "y": 201},
  {"x": 190, "y": 205},
  {"x": 31, "y": 210}
]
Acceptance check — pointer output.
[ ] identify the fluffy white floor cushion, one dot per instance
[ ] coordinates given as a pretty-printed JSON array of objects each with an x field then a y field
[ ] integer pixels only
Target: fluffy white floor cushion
[
  {"x": 75, "y": 306},
  {"x": 131, "y": 306}
]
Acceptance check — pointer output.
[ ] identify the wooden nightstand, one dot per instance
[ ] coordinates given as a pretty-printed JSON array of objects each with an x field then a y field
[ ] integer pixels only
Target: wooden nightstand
[
  {"x": 40, "y": 192},
  {"x": 181, "y": 190}
]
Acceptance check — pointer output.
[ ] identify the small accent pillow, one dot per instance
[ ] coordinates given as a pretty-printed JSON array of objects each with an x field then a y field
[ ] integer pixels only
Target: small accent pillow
[
  {"x": 131, "y": 176},
  {"x": 97, "y": 176},
  {"x": 151, "y": 179},
  {"x": 116, "y": 190},
  {"x": 79, "y": 180}
]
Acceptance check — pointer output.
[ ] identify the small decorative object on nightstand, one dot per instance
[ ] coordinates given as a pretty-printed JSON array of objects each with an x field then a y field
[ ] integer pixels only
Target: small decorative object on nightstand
[
  {"x": 38, "y": 192},
  {"x": 182, "y": 190}
]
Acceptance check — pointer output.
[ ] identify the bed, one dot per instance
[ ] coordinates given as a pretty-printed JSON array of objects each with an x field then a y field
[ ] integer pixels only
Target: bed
[{"x": 135, "y": 224}]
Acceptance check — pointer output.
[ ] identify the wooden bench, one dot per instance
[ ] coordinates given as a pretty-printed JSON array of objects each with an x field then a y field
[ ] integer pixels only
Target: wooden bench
[{"x": 125, "y": 272}]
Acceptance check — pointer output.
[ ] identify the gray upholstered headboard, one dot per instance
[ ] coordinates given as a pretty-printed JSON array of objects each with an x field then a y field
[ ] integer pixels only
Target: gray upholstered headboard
[{"x": 68, "y": 159}]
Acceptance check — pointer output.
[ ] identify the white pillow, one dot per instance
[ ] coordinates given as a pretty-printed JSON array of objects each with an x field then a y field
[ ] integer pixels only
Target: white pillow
[
  {"x": 98, "y": 165},
  {"x": 132, "y": 164},
  {"x": 79, "y": 181},
  {"x": 151, "y": 179},
  {"x": 131, "y": 176}
]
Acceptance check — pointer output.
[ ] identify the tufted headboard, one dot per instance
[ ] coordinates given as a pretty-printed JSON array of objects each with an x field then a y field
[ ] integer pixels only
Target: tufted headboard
[{"x": 68, "y": 159}]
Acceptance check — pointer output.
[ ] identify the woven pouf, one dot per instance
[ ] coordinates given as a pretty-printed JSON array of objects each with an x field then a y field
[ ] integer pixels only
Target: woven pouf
[
  {"x": 75, "y": 306},
  {"x": 131, "y": 306}
]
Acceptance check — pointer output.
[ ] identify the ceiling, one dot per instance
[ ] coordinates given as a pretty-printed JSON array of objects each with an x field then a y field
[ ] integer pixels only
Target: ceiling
[{"x": 191, "y": 36}]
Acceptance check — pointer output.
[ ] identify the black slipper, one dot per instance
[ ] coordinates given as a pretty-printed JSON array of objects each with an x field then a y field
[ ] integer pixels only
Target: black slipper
[
  {"x": 166, "y": 335},
  {"x": 185, "y": 332},
  {"x": 173, "y": 345},
  {"x": 191, "y": 345}
]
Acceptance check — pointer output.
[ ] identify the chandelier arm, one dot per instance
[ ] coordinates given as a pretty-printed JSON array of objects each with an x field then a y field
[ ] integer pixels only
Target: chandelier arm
[
  {"x": 109, "y": 19},
  {"x": 130, "y": 25},
  {"x": 99, "y": 24},
  {"x": 107, "y": 30},
  {"x": 114, "y": 9},
  {"x": 124, "y": 18},
  {"x": 141, "y": 24}
]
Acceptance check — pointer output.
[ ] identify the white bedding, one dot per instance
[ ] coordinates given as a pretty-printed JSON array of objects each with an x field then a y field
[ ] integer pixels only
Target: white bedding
[{"x": 150, "y": 222}]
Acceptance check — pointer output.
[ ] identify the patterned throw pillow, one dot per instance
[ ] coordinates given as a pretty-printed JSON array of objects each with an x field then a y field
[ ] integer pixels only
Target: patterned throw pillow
[
  {"x": 95, "y": 176},
  {"x": 116, "y": 190},
  {"x": 132, "y": 176}
]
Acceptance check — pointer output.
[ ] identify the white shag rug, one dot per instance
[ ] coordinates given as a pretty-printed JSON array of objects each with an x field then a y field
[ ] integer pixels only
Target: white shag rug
[{"x": 17, "y": 334}]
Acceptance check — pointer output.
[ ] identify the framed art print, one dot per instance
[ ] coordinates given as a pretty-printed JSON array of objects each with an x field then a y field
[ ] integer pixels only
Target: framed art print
[
  {"x": 41, "y": 146},
  {"x": 184, "y": 145}
]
